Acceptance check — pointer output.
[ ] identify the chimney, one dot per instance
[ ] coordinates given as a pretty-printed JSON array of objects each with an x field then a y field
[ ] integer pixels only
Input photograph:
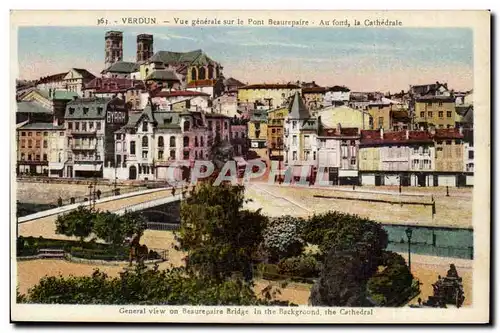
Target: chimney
[
  {"x": 407, "y": 135},
  {"x": 381, "y": 132}
]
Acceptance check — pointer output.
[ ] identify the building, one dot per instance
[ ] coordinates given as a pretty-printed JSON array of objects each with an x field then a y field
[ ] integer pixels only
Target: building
[
  {"x": 37, "y": 105},
  {"x": 300, "y": 139},
  {"x": 181, "y": 100},
  {"x": 113, "y": 48},
  {"x": 36, "y": 147},
  {"x": 469, "y": 156},
  {"x": 76, "y": 79},
  {"x": 257, "y": 129},
  {"x": 345, "y": 116},
  {"x": 435, "y": 89},
  {"x": 449, "y": 160},
  {"x": 122, "y": 70},
  {"x": 33, "y": 112},
  {"x": 380, "y": 113},
  {"x": 163, "y": 79},
  {"x": 338, "y": 154},
  {"x": 270, "y": 95},
  {"x": 231, "y": 85},
  {"x": 227, "y": 104},
  {"x": 336, "y": 96},
  {"x": 239, "y": 137},
  {"x": 400, "y": 120},
  {"x": 127, "y": 89},
  {"x": 90, "y": 126},
  {"x": 403, "y": 158},
  {"x": 435, "y": 112},
  {"x": 275, "y": 131},
  {"x": 55, "y": 81},
  {"x": 314, "y": 98}
]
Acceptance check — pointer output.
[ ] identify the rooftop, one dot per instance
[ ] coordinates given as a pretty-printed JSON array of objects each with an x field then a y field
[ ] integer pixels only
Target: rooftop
[
  {"x": 180, "y": 93},
  {"x": 271, "y": 86},
  {"x": 297, "y": 109},
  {"x": 122, "y": 67},
  {"x": 40, "y": 126},
  {"x": 163, "y": 75},
  {"x": 32, "y": 107}
]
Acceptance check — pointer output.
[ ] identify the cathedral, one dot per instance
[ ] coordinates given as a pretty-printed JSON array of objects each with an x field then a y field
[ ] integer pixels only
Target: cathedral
[{"x": 193, "y": 70}]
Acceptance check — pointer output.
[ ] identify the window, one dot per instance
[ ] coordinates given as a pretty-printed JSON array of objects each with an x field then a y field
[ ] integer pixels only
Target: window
[
  {"x": 145, "y": 126},
  {"x": 23, "y": 143},
  {"x": 448, "y": 114},
  {"x": 422, "y": 114},
  {"x": 71, "y": 110},
  {"x": 160, "y": 154},
  {"x": 440, "y": 114},
  {"x": 273, "y": 131},
  {"x": 294, "y": 140},
  {"x": 186, "y": 155},
  {"x": 84, "y": 126},
  {"x": 314, "y": 155},
  {"x": 118, "y": 160},
  {"x": 471, "y": 154},
  {"x": 448, "y": 142},
  {"x": 99, "y": 110},
  {"x": 22, "y": 157},
  {"x": 98, "y": 126},
  {"x": 23, "y": 133},
  {"x": 45, "y": 157},
  {"x": 306, "y": 140},
  {"x": 77, "y": 126},
  {"x": 294, "y": 124},
  {"x": 45, "y": 144},
  {"x": 37, "y": 145},
  {"x": 294, "y": 156},
  {"x": 201, "y": 141},
  {"x": 353, "y": 160},
  {"x": 38, "y": 133},
  {"x": 37, "y": 157},
  {"x": 144, "y": 141},
  {"x": 29, "y": 157},
  {"x": 306, "y": 155},
  {"x": 160, "y": 142},
  {"x": 187, "y": 125},
  {"x": 70, "y": 125},
  {"x": 186, "y": 141},
  {"x": 196, "y": 141},
  {"x": 225, "y": 125},
  {"x": 144, "y": 154},
  {"x": 322, "y": 143},
  {"x": 45, "y": 133},
  {"x": 132, "y": 147},
  {"x": 85, "y": 110},
  {"x": 440, "y": 103},
  {"x": 172, "y": 154},
  {"x": 429, "y": 103},
  {"x": 61, "y": 133},
  {"x": 429, "y": 114},
  {"x": 172, "y": 141},
  {"x": 210, "y": 125},
  {"x": 30, "y": 144},
  {"x": 91, "y": 125},
  {"x": 380, "y": 122}
]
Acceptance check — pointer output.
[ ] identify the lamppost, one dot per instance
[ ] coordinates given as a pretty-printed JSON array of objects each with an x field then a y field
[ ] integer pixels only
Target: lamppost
[
  {"x": 447, "y": 191},
  {"x": 408, "y": 234},
  {"x": 90, "y": 196}
]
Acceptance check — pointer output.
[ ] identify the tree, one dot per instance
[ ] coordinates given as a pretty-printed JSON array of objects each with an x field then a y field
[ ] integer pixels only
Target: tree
[
  {"x": 392, "y": 282},
  {"x": 219, "y": 236},
  {"x": 341, "y": 282},
  {"x": 282, "y": 237},
  {"x": 142, "y": 286},
  {"x": 345, "y": 232},
  {"x": 108, "y": 226},
  {"x": 78, "y": 223}
]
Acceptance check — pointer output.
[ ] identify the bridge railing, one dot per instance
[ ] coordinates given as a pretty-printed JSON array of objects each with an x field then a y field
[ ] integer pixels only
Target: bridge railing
[{"x": 162, "y": 226}]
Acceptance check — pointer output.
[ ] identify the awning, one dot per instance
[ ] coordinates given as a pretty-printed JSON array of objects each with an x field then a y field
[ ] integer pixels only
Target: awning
[{"x": 87, "y": 167}]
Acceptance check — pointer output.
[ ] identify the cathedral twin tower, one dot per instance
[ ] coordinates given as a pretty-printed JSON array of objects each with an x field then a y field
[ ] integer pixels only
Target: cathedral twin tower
[{"x": 114, "y": 47}]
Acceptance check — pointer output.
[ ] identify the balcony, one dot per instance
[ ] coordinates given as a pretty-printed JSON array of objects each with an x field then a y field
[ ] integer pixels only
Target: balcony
[
  {"x": 82, "y": 132},
  {"x": 82, "y": 147}
]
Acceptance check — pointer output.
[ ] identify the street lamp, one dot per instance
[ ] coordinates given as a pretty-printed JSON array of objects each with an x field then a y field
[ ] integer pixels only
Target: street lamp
[{"x": 408, "y": 234}]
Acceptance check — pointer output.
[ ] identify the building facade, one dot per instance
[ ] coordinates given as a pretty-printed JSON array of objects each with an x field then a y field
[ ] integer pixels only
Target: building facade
[
  {"x": 275, "y": 133},
  {"x": 435, "y": 112}
]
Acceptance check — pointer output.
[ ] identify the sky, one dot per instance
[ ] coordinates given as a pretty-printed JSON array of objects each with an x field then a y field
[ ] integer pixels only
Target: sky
[{"x": 363, "y": 59}]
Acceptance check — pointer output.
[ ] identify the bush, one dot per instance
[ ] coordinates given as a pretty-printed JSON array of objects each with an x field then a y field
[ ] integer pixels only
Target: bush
[
  {"x": 303, "y": 266},
  {"x": 282, "y": 237}
]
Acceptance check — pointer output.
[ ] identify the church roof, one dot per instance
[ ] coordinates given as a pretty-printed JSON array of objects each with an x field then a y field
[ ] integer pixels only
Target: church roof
[
  {"x": 297, "y": 108},
  {"x": 162, "y": 75},
  {"x": 196, "y": 57},
  {"x": 122, "y": 67}
]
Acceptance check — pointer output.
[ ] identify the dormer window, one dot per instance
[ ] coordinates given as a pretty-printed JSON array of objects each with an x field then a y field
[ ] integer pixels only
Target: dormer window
[
  {"x": 85, "y": 110},
  {"x": 71, "y": 110},
  {"x": 145, "y": 126},
  {"x": 99, "y": 110}
]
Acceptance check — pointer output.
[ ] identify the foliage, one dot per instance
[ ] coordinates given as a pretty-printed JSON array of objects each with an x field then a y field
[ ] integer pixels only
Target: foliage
[
  {"x": 301, "y": 266},
  {"x": 114, "y": 228},
  {"x": 219, "y": 236},
  {"x": 393, "y": 282},
  {"x": 342, "y": 281},
  {"x": 345, "y": 232},
  {"x": 78, "y": 223},
  {"x": 143, "y": 286},
  {"x": 282, "y": 237}
]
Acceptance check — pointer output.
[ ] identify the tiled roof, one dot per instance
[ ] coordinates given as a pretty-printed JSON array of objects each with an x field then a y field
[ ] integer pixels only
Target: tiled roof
[
  {"x": 52, "y": 78},
  {"x": 201, "y": 83},
  {"x": 233, "y": 82},
  {"x": 84, "y": 73},
  {"x": 31, "y": 107},
  {"x": 347, "y": 131},
  {"x": 271, "y": 86},
  {"x": 91, "y": 103},
  {"x": 163, "y": 75},
  {"x": 122, "y": 67},
  {"x": 196, "y": 57},
  {"x": 297, "y": 109},
  {"x": 373, "y": 137},
  {"x": 113, "y": 84},
  {"x": 180, "y": 93},
  {"x": 40, "y": 126},
  {"x": 314, "y": 90},
  {"x": 448, "y": 133},
  {"x": 431, "y": 98}
]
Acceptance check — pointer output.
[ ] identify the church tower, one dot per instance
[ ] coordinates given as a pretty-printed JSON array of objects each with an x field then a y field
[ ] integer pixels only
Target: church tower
[
  {"x": 144, "y": 47},
  {"x": 113, "y": 47}
]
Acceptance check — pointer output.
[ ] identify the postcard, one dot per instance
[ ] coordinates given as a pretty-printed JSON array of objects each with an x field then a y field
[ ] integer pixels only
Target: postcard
[{"x": 250, "y": 166}]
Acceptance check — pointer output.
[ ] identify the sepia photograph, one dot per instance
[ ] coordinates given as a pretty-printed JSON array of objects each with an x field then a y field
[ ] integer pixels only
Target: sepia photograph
[{"x": 225, "y": 166}]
